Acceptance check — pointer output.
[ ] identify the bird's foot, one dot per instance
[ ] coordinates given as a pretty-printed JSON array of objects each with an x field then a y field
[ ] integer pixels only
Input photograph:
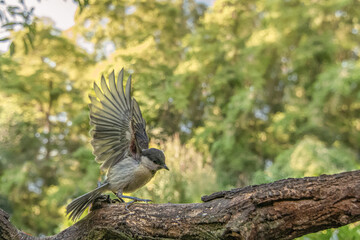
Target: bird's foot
[
  {"x": 134, "y": 199},
  {"x": 118, "y": 200},
  {"x": 128, "y": 204}
]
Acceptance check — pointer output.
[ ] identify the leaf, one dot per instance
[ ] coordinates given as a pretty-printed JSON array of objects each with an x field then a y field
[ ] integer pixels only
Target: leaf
[
  {"x": 82, "y": 5},
  {"x": 12, "y": 49},
  {"x": 10, "y": 24},
  {"x": 4, "y": 39},
  {"x": 13, "y": 10},
  {"x": 32, "y": 28},
  {"x": 30, "y": 38},
  {"x": 26, "y": 46}
]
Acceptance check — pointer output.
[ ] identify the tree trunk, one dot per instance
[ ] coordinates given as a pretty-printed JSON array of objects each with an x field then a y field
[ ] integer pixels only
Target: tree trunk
[{"x": 281, "y": 210}]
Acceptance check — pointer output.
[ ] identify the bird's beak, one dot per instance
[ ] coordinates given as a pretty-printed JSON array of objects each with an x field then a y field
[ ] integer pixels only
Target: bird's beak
[{"x": 165, "y": 167}]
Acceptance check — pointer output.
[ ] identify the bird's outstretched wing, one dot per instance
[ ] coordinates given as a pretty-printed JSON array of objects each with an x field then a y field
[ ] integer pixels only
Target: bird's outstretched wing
[{"x": 118, "y": 128}]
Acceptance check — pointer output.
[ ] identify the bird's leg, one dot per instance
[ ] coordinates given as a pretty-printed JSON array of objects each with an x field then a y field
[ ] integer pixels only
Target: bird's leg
[
  {"x": 119, "y": 195},
  {"x": 134, "y": 199}
]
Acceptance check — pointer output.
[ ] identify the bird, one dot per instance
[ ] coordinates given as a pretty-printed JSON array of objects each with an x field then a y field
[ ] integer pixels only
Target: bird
[{"x": 120, "y": 144}]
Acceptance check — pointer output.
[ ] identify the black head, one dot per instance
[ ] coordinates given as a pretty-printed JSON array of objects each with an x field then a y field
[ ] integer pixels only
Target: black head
[{"x": 156, "y": 156}]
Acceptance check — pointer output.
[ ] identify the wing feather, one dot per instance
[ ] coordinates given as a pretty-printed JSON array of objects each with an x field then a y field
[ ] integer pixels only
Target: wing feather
[
  {"x": 113, "y": 89},
  {"x": 120, "y": 87},
  {"x": 128, "y": 89},
  {"x": 139, "y": 126},
  {"x": 103, "y": 113},
  {"x": 116, "y": 122}
]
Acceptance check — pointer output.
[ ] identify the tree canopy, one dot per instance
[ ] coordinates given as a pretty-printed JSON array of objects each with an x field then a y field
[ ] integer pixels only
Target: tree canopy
[{"x": 235, "y": 92}]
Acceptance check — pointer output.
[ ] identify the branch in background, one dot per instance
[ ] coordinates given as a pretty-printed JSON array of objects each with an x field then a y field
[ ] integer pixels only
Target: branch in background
[{"x": 281, "y": 210}]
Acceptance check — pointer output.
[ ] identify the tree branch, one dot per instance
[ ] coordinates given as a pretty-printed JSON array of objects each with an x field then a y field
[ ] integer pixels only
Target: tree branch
[{"x": 281, "y": 210}]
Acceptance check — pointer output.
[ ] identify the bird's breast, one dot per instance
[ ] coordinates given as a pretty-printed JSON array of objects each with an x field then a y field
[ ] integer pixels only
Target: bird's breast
[{"x": 141, "y": 176}]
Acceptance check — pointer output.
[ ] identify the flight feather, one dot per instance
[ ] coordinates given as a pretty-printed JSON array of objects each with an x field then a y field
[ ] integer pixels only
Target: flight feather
[{"x": 117, "y": 122}]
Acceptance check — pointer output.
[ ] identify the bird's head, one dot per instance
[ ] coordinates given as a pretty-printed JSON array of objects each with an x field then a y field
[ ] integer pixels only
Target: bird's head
[{"x": 156, "y": 157}]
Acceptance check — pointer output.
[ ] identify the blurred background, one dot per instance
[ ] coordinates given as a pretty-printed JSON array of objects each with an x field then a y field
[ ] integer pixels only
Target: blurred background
[{"x": 235, "y": 92}]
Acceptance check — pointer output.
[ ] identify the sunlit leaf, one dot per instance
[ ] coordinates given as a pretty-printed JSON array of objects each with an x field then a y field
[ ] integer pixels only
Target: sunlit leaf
[{"x": 12, "y": 49}]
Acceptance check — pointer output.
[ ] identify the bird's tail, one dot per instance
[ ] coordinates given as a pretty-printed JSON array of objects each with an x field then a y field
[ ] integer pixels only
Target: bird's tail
[{"x": 78, "y": 205}]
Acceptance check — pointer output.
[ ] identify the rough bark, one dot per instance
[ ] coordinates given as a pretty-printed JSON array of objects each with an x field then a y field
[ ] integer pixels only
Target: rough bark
[{"x": 281, "y": 210}]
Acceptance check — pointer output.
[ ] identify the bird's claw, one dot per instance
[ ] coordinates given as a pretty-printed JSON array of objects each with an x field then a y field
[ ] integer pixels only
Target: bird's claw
[
  {"x": 135, "y": 199},
  {"x": 127, "y": 205},
  {"x": 119, "y": 200}
]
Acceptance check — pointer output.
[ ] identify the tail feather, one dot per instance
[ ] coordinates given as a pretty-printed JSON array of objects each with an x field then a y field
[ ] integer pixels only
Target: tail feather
[{"x": 78, "y": 205}]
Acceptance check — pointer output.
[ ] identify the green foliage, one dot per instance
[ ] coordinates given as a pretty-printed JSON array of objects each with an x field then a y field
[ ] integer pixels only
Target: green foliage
[
  {"x": 241, "y": 92},
  {"x": 309, "y": 157},
  {"x": 40, "y": 95},
  {"x": 349, "y": 232},
  {"x": 147, "y": 40},
  {"x": 18, "y": 15},
  {"x": 263, "y": 88}
]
